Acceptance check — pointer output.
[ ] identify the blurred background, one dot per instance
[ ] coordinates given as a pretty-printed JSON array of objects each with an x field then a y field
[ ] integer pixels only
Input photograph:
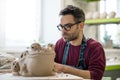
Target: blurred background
[{"x": 23, "y": 22}]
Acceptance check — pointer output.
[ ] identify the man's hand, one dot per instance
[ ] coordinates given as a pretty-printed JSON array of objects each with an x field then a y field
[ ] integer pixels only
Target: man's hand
[
  {"x": 71, "y": 70},
  {"x": 58, "y": 67}
]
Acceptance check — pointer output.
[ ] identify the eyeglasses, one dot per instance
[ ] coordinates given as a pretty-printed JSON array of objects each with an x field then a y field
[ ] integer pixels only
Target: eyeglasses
[{"x": 67, "y": 27}]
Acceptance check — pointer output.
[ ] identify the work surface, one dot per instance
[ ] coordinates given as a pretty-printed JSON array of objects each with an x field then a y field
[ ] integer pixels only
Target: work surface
[{"x": 60, "y": 76}]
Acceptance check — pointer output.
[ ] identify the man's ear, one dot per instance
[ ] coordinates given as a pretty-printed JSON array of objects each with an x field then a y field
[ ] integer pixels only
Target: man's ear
[{"x": 81, "y": 25}]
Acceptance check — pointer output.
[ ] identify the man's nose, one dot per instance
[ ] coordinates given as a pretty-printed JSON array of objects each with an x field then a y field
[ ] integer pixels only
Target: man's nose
[{"x": 63, "y": 29}]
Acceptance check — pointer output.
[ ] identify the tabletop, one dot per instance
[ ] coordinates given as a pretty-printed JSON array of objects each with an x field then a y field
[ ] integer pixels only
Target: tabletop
[{"x": 57, "y": 76}]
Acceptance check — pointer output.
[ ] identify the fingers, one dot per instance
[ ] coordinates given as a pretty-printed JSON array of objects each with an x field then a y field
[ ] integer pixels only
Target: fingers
[{"x": 58, "y": 67}]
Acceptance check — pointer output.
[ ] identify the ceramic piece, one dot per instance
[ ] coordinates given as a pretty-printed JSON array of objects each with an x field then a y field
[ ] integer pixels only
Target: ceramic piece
[
  {"x": 103, "y": 15},
  {"x": 96, "y": 15},
  {"x": 112, "y": 14},
  {"x": 89, "y": 15},
  {"x": 36, "y": 62}
]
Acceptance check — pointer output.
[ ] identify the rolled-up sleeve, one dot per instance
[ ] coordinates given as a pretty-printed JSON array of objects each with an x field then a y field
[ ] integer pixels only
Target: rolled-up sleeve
[{"x": 97, "y": 63}]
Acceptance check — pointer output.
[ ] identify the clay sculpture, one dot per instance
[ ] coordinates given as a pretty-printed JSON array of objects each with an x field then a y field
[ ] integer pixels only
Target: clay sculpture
[{"x": 39, "y": 61}]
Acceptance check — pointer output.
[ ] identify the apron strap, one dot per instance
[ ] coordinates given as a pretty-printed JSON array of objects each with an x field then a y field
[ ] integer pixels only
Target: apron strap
[
  {"x": 81, "y": 61},
  {"x": 65, "y": 55}
]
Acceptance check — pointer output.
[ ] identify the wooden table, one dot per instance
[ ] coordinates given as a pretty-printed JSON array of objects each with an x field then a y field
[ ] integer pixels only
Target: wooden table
[
  {"x": 5, "y": 71},
  {"x": 57, "y": 76}
]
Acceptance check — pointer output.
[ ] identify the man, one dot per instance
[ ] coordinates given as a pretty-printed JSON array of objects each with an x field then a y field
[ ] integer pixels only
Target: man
[{"x": 74, "y": 53}]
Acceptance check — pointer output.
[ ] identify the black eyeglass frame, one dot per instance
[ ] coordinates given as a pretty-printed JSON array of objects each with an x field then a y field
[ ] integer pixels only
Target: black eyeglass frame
[{"x": 67, "y": 27}]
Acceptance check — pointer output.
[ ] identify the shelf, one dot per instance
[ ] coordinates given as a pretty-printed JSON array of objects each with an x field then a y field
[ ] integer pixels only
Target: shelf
[
  {"x": 112, "y": 67},
  {"x": 102, "y": 21}
]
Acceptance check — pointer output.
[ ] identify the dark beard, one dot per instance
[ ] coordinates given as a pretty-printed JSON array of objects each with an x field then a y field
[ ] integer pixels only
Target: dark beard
[{"x": 70, "y": 37}]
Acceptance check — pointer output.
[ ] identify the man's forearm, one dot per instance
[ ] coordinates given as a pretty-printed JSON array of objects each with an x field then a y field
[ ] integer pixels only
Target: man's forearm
[{"x": 78, "y": 72}]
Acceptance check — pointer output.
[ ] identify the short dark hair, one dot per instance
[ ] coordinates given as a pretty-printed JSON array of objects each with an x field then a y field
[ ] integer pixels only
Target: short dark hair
[{"x": 77, "y": 13}]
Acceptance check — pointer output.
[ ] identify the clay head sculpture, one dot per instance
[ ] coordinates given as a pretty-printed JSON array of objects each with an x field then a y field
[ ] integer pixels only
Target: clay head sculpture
[
  {"x": 15, "y": 67},
  {"x": 23, "y": 54},
  {"x": 51, "y": 46},
  {"x": 39, "y": 61},
  {"x": 35, "y": 47}
]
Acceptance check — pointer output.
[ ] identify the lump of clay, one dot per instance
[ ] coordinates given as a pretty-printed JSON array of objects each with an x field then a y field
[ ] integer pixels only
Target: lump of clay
[
  {"x": 15, "y": 67},
  {"x": 5, "y": 60},
  {"x": 38, "y": 61}
]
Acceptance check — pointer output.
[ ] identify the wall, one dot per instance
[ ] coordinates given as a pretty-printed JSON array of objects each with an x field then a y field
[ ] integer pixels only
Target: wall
[
  {"x": 2, "y": 22},
  {"x": 50, "y": 16},
  {"x": 28, "y": 20}
]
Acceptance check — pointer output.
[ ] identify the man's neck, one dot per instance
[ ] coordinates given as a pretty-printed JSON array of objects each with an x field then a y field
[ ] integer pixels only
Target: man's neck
[{"x": 77, "y": 41}]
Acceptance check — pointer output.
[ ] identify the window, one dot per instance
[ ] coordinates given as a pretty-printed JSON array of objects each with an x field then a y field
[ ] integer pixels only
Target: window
[
  {"x": 23, "y": 22},
  {"x": 112, "y": 30},
  {"x": 20, "y": 22}
]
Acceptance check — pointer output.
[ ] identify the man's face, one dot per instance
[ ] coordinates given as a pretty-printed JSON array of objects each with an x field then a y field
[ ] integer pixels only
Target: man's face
[{"x": 73, "y": 33}]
